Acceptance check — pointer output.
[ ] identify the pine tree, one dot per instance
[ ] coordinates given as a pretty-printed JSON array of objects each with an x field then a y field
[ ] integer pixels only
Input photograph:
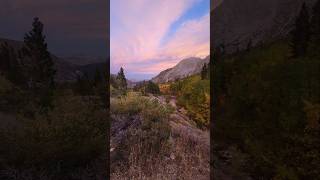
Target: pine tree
[
  {"x": 122, "y": 81},
  {"x": 301, "y": 33},
  {"x": 314, "y": 47},
  {"x": 36, "y": 56},
  {"x": 39, "y": 64}
]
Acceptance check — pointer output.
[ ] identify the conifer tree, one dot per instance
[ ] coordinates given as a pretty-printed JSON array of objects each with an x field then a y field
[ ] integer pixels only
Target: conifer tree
[
  {"x": 37, "y": 57},
  {"x": 39, "y": 64},
  {"x": 122, "y": 81},
  {"x": 301, "y": 33}
]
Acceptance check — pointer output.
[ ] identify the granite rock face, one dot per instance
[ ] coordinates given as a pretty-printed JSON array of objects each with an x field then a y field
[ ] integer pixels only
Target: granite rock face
[{"x": 184, "y": 68}]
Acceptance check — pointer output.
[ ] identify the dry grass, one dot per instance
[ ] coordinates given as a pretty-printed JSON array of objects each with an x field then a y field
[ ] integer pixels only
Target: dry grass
[
  {"x": 182, "y": 159},
  {"x": 152, "y": 148}
]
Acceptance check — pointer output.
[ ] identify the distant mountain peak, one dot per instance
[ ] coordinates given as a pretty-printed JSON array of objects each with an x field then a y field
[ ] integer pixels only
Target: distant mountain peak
[{"x": 186, "y": 67}]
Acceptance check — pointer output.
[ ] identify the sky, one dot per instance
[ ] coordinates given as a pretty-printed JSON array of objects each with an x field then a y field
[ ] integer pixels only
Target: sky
[
  {"x": 72, "y": 27},
  {"x": 149, "y": 36}
]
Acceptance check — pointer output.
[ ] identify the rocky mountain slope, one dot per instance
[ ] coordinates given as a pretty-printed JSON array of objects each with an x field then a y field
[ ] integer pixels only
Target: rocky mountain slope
[
  {"x": 184, "y": 68},
  {"x": 235, "y": 23}
]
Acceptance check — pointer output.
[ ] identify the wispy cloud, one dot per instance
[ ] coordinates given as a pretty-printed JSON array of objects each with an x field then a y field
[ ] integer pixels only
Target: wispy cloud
[
  {"x": 138, "y": 28},
  {"x": 191, "y": 39}
]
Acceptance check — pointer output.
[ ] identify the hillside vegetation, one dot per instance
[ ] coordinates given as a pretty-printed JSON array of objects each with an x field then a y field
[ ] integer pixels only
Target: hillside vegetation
[
  {"x": 268, "y": 108},
  {"x": 193, "y": 94},
  {"x": 267, "y": 105},
  {"x": 146, "y": 127}
]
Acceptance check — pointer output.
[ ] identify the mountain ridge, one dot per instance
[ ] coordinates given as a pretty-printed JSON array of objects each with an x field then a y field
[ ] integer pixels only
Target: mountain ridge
[{"x": 185, "y": 68}]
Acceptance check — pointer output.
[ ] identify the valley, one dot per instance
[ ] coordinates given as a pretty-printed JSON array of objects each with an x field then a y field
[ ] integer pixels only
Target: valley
[{"x": 170, "y": 119}]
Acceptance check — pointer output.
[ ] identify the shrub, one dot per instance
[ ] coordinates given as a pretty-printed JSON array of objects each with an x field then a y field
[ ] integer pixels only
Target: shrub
[
  {"x": 194, "y": 95},
  {"x": 152, "y": 88}
]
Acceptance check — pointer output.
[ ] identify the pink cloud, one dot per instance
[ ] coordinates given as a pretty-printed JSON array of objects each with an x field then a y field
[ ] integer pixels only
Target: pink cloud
[
  {"x": 139, "y": 26},
  {"x": 151, "y": 69},
  {"x": 191, "y": 39}
]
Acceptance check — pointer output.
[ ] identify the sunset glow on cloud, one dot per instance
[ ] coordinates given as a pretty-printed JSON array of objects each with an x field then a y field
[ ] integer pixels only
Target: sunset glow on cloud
[{"x": 148, "y": 36}]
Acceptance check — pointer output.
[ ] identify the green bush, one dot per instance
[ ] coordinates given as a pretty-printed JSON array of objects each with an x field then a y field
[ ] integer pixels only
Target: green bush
[
  {"x": 194, "y": 95},
  {"x": 152, "y": 88}
]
